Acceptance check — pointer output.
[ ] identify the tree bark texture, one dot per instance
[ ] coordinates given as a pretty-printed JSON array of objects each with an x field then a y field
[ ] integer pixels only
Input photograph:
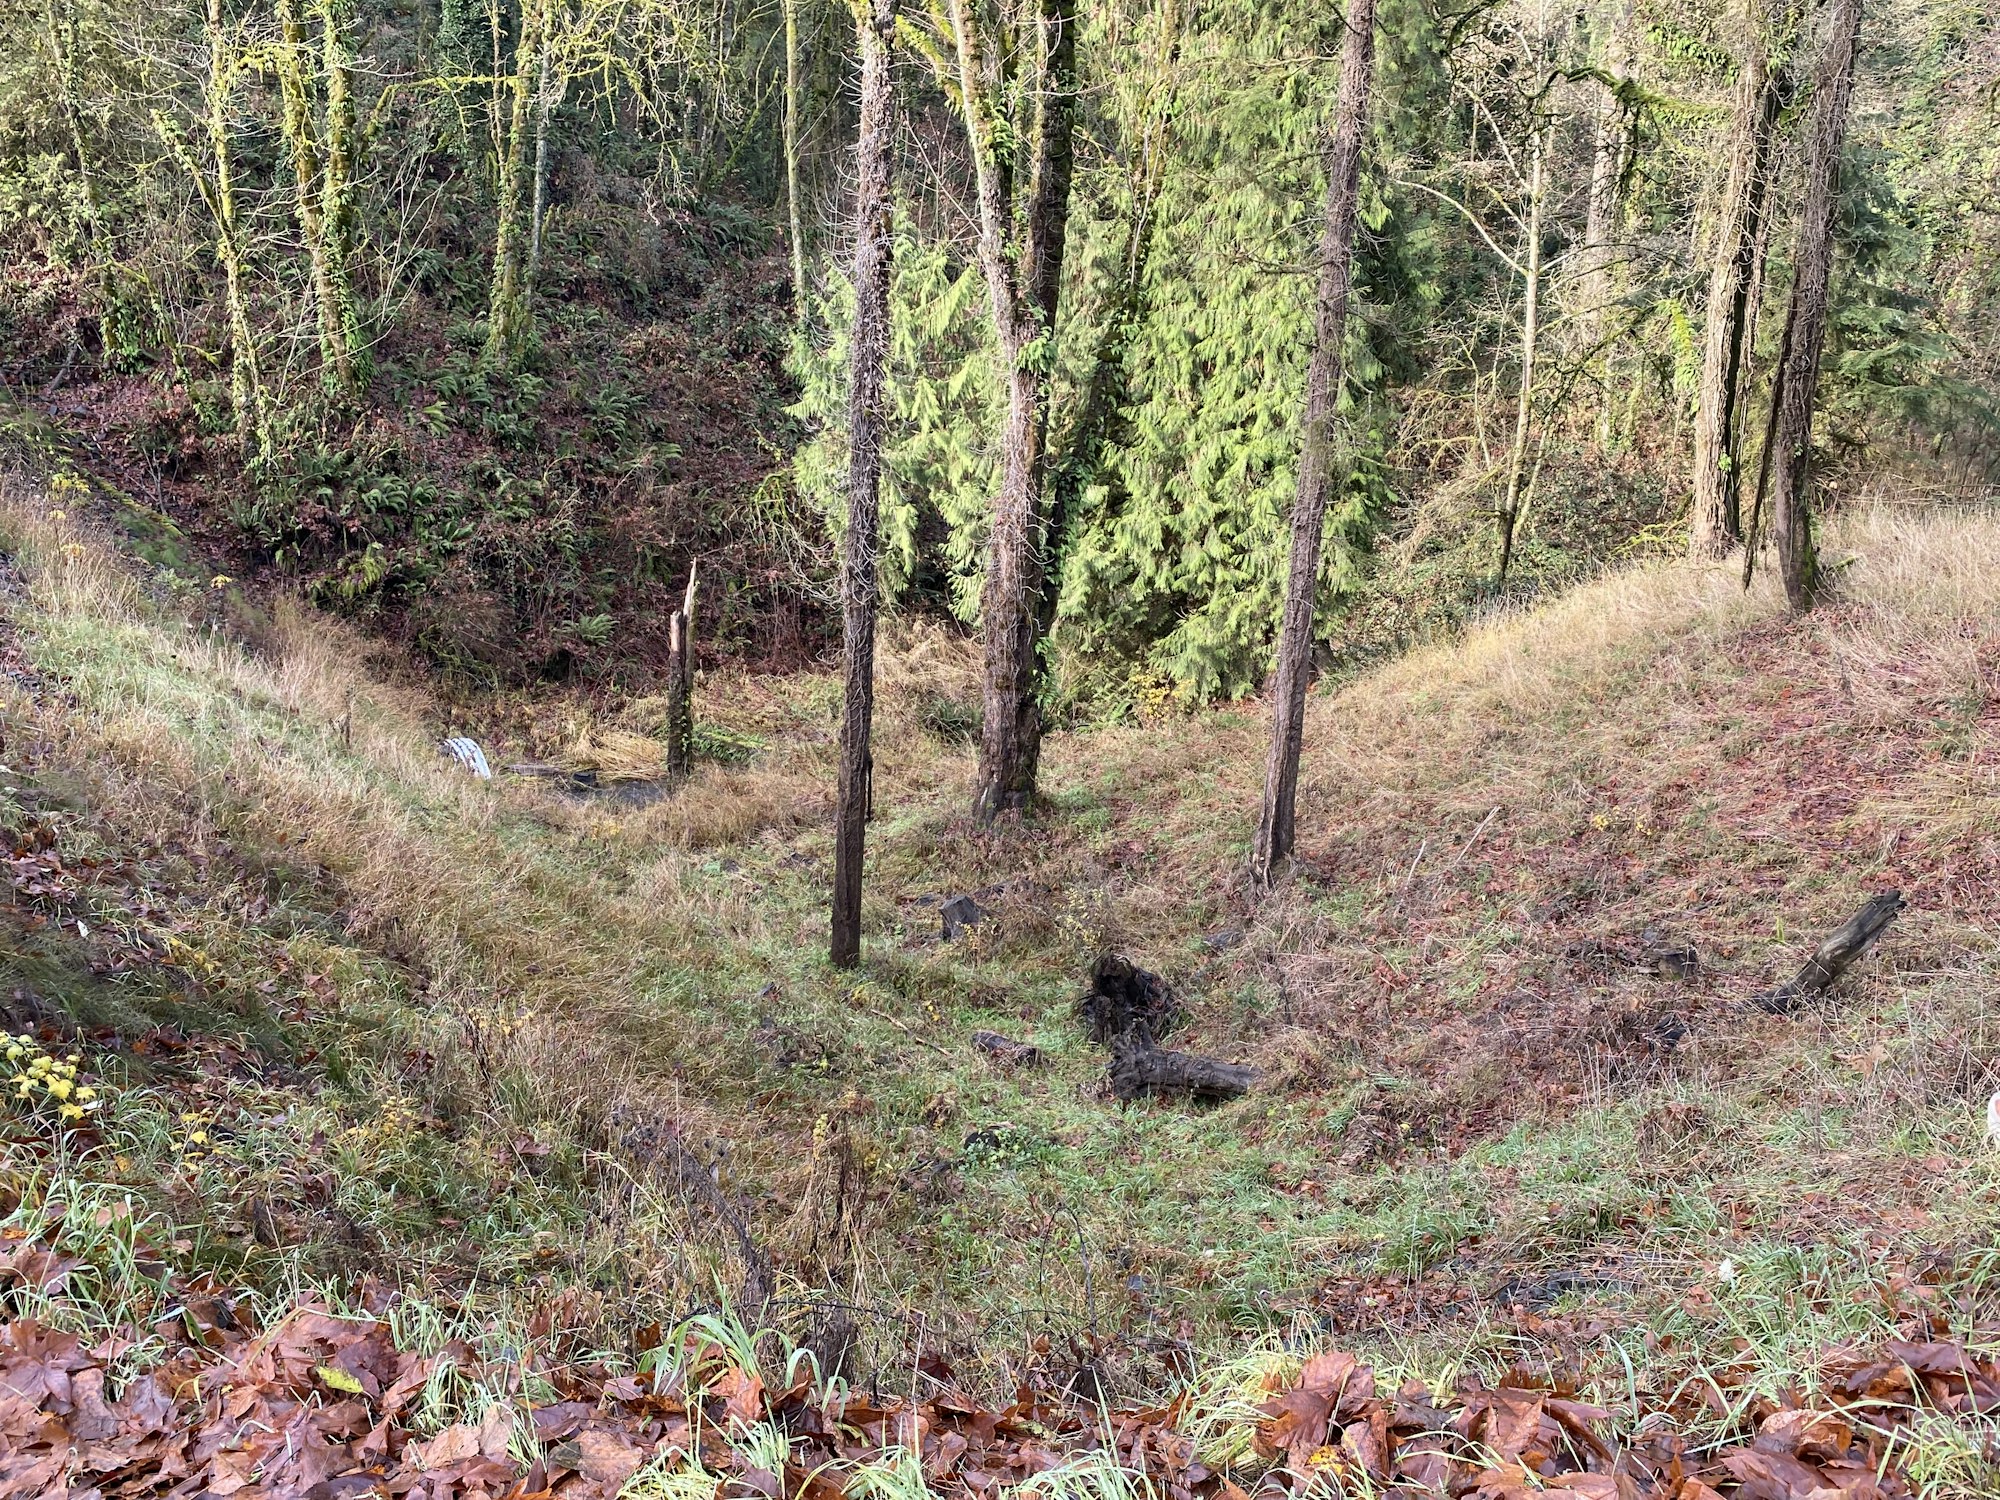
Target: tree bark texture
[
  {"x": 1730, "y": 325},
  {"x": 246, "y": 380},
  {"x": 1610, "y": 144},
  {"x": 1805, "y": 323},
  {"x": 507, "y": 313},
  {"x": 680, "y": 681},
  {"x": 1277, "y": 818},
  {"x": 1140, "y": 1070},
  {"x": 322, "y": 153},
  {"x": 868, "y": 355},
  {"x": 1531, "y": 338},
  {"x": 544, "y": 106},
  {"x": 1023, "y": 194},
  {"x": 1837, "y": 952},
  {"x": 63, "y": 36},
  {"x": 794, "y": 207}
]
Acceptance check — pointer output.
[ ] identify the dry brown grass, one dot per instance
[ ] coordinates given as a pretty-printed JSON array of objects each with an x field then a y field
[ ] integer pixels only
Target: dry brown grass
[
  {"x": 1663, "y": 750},
  {"x": 186, "y": 734}
]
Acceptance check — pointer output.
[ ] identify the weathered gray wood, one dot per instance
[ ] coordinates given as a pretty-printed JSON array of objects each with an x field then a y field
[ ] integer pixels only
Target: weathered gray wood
[
  {"x": 1006, "y": 1050},
  {"x": 960, "y": 914},
  {"x": 680, "y": 682},
  {"x": 1140, "y": 1070},
  {"x": 1835, "y": 955}
]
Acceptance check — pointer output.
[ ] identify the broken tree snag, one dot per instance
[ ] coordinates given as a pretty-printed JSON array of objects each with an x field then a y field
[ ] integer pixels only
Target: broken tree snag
[
  {"x": 1141, "y": 1070},
  {"x": 1832, "y": 958},
  {"x": 680, "y": 682},
  {"x": 1007, "y": 1051},
  {"x": 1127, "y": 1004}
]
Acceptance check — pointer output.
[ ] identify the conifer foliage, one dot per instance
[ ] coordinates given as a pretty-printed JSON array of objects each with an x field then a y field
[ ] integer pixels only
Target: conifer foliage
[{"x": 414, "y": 290}]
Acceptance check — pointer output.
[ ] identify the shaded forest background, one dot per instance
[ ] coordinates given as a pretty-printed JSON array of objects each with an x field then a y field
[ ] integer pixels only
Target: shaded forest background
[{"x": 483, "y": 321}]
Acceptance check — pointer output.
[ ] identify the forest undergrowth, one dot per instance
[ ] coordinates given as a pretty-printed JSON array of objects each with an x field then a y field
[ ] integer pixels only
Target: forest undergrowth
[{"x": 560, "y": 1067}]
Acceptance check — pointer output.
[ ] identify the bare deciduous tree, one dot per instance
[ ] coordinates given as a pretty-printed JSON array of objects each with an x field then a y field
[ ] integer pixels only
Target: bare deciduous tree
[
  {"x": 868, "y": 353},
  {"x": 1342, "y": 154},
  {"x": 1734, "y": 281}
]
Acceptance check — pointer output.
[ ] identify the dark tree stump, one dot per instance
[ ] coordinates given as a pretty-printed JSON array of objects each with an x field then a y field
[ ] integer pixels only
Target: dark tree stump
[
  {"x": 1139, "y": 1070},
  {"x": 1126, "y": 1004},
  {"x": 1842, "y": 947}
]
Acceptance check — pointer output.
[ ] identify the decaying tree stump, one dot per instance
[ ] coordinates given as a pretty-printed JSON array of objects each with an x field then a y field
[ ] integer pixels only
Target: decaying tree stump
[
  {"x": 680, "y": 682},
  {"x": 1137, "y": 1070},
  {"x": 1126, "y": 1003},
  {"x": 1832, "y": 958},
  {"x": 1128, "y": 1010}
]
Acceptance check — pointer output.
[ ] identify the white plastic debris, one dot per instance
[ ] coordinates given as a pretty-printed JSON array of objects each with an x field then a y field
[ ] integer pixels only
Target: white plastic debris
[
  {"x": 1726, "y": 1272},
  {"x": 1993, "y": 1121},
  {"x": 469, "y": 755}
]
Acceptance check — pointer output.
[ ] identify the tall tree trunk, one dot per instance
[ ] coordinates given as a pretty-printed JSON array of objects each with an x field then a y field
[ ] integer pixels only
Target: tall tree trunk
[
  {"x": 868, "y": 354},
  {"x": 544, "y": 105},
  {"x": 1729, "y": 331},
  {"x": 794, "y": 207},
  {"x": 1611, "y": 136},
  {"x": 495, "y": 151},
  {"x": 295, "y": 124},
  {"x": 322, "y": 168},
  {"x": 1805, "y": 322},
  {"x": 1023, "y": 267},
  {"x": 60, "y": 21},
  {"x": 507, "y": 308},
  {"x": 1531, "y": 333},
  {"x": 337, "y": 206},
  {"x": 246, "y": 379},
  {"x": 1276, "y": 820}
]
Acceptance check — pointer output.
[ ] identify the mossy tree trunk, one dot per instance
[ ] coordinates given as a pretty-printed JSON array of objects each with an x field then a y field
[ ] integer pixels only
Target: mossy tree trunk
[
  {"x": 1805, "y": 322},
  {"x": 248, "y": 397},
  {"x": 322, "y": 154},
  {"x": 794, "y": 207},
  {"x": 1611, "y": 137},
  {"x": 545, "y": 102},
  {"x": 1512, "y": 498},
  {"x": 1023, "y": 160},
  {"x": 1730, "y": 326},
  {"x": 63, "y": 33},
  {"x": 338, "y": 208},
  {"x": 508, "y": 317}
]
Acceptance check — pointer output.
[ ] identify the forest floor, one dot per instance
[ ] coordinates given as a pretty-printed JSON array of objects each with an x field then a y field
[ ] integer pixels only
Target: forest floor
[{"x": 571, "y": 1064}]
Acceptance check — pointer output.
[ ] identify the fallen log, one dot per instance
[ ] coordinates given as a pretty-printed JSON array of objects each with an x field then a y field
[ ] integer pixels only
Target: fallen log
[
  {"x": 1841, "y": 948},
  {"x": 1141, "y": 1070},
  {"x": 1006, "y": 1050}
]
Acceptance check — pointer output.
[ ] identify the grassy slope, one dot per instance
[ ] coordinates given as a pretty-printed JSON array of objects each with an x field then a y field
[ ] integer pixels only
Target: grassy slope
[{"x": 432, "y": 1024}]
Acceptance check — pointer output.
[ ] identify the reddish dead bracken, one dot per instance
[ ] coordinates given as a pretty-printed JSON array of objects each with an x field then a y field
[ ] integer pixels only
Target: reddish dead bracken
[{"x": 323, "y": 1407}]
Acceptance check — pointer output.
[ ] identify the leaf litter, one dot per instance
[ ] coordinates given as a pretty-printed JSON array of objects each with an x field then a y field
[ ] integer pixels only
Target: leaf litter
[{"x": 322, "y": 1406}]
